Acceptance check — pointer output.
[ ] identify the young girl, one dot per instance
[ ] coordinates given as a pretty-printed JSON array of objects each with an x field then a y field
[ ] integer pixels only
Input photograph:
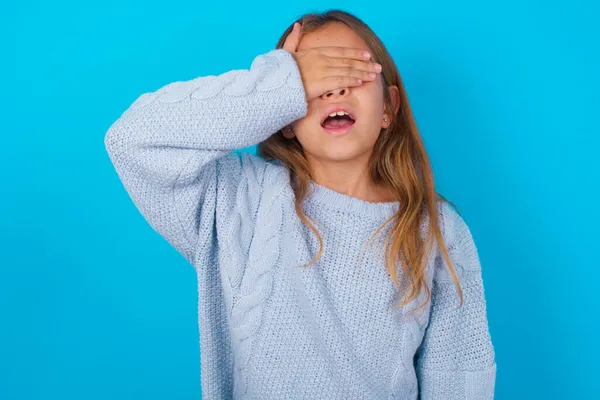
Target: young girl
[{"x": 293, "y": 304}]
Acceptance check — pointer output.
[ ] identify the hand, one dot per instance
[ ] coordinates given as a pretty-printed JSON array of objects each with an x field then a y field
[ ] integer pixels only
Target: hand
[{"x": 327, "y": 68}]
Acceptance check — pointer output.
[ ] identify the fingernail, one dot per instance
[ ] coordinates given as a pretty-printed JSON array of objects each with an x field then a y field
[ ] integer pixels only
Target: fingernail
[
  {"x": 367, "y": 54},
  {"x": 377, "y": 67},
  {"x": 371, "y": 75}
]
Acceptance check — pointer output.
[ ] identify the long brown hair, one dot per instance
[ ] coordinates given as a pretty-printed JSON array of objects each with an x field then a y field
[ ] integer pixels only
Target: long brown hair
[{"x": 399, "y": 162}]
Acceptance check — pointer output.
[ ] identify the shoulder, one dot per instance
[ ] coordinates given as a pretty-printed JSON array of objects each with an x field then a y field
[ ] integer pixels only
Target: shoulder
[
  {"x": 452, "y": 223},
  {"x": 458, "y": 241},
  {"x": 449, "y": 221}
]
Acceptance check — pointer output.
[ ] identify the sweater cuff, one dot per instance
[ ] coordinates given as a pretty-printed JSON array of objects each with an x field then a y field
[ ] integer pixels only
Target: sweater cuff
[{"x": 457, "y": 385}]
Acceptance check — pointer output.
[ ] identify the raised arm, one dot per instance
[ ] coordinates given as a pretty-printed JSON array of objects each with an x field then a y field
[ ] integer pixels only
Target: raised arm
[{"x": 172, "y": 148}]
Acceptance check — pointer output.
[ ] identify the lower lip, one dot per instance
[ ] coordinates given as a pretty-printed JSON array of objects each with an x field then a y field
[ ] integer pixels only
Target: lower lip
[{"x": 338, "y": 131}]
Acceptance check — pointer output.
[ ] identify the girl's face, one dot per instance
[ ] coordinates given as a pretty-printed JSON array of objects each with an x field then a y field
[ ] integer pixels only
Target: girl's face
[{"x": 365, "y": 101}]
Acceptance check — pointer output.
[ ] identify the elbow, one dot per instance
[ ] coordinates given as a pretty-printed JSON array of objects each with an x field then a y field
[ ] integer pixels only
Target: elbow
[{"x": 118, "y": 140}]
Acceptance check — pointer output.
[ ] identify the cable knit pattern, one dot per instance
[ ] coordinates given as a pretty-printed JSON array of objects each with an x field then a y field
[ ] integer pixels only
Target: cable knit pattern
[
  {"x": 257, "y": 284},
  {"x": 269, "y": 328},
  {"x": 237, "y": 246}
]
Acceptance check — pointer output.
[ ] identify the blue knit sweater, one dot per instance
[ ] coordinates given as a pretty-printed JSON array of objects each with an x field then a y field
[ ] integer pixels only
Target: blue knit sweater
[{"x": 270, "y": 328}]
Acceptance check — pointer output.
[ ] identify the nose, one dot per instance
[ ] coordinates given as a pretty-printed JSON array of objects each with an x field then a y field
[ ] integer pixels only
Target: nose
[{"x": 336, "y": 92}]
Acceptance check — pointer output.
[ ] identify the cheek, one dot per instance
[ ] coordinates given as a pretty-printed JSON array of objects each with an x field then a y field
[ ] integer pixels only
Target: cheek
[
  {"x": 375, "y": 94},
  {"x": 305, "y": 123},
  {"x": 371, "y": 102},
  {"x": 311, "y": 119}
]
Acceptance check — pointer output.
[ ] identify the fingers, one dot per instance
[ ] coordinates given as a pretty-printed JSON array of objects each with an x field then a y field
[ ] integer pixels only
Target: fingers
[
  {"x": 365, "y": 75},
  {"x": 326, "y": 68},
  {"x": 354, "y": 64},
  {"x": 293, "y": 39},
  {"x": 345, "y": 52},
  {"x": 347, "y": 61},
  {"x": 341, "y": 82}
]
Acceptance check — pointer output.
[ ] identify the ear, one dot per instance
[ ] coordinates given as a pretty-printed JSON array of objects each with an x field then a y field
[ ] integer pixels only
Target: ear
[
  {"x": 288, "y": 133},
  {"x": 395, "y": 96}
]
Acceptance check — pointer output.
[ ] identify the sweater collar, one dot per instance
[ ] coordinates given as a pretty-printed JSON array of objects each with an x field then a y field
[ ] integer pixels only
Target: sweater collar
[{"x": 327, "y": 198}]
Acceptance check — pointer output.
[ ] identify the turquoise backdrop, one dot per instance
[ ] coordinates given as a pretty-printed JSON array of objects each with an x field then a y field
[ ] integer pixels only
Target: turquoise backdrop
[{"x": 95, "y": 305}]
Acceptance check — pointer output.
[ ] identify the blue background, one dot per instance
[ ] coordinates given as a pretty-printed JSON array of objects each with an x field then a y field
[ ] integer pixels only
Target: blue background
[{"x": 95, "y": 305}]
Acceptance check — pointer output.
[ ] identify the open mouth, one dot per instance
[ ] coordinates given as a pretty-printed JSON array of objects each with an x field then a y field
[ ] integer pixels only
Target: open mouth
[{"x": 338, "y": 120}]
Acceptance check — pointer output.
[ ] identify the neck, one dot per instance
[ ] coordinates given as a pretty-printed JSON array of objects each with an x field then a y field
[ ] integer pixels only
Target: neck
[{"x": 349, "y": 177}]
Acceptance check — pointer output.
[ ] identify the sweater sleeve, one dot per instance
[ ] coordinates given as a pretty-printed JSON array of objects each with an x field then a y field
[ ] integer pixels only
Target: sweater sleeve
[
  {"x": 172, "y": 148},
  {"x": 456, "y": 357}
]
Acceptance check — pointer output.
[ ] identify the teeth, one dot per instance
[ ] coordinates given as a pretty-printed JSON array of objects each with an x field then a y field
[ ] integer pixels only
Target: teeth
[{"x": 339, "y": 113}]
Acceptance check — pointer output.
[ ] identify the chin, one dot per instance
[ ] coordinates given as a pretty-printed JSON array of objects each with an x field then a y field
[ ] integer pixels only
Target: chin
[{"x": 339, "y": 149}]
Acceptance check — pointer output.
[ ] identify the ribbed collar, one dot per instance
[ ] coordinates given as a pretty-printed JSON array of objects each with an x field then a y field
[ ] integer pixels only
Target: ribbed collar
[{"x": 325, "y": 197}]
